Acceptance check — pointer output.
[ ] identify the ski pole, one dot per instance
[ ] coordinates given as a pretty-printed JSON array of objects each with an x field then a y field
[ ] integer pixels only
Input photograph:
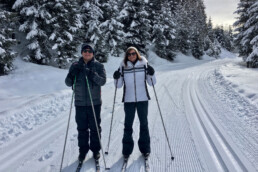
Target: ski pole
[
  {"x": 94, "y": 114},
  {"x": 68, "y": 124},
  {"x": 172, "y": 157},
  {"x": 111, "y": 119}
]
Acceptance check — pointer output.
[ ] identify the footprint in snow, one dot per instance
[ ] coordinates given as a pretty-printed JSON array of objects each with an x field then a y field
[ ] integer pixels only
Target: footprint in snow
[
  {"x": 73, "y": 137},
  {"x": 46, "y": 156}
]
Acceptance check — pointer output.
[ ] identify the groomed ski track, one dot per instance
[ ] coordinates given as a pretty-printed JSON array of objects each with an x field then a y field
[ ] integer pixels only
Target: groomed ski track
[{"x": 205, "y": 127}]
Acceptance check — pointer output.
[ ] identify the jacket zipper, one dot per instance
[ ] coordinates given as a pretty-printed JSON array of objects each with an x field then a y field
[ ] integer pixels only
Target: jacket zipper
[{"x": 135, "y": 84}]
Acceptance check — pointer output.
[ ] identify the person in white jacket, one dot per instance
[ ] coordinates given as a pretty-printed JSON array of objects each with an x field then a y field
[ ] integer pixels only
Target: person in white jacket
[{"x": 133, "y": 75}]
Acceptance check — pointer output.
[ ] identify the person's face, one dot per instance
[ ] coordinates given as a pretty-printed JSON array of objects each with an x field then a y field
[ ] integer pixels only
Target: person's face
[
  {"x": 87, "y": 54},
  {"x": 132, "y": 56}
]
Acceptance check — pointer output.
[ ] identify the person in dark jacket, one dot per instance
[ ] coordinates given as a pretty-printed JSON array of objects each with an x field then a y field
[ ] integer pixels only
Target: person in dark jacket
[
  {"x": 133, "y": 73},
  {"x": 89, "y": 67}
]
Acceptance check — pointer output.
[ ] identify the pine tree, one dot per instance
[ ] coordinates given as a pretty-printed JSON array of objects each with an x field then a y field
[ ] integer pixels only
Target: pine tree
[
  {"x": 6, "y": 41},
  {"x": 65, "y": 24},
  {"x": 183, "y": 28},
  {"x": 170, "y": 31},
  {"x": 33, "y": 17},
  {"x": 199, "y": 27},
  {"x": 93, "y": 15},
  {"x": 229, "y": 39},
  {"x": 112, "y": 28},
  {"x": 197, "y": 48},
  {"x": 220, "y": 36},
  {"x": 136, "y": 24},
  {"x": 210, "y": 31},
  {"x": 242, "y": 44},
  {"x": 213, "y": 49},
  {"x": 252, "y": 34},
  {"x": 162, "y": 31}
]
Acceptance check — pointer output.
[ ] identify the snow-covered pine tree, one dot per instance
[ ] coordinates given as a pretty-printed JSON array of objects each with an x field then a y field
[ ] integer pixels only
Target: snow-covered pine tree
[
  {"x": 213, "y": 49},
  {"x": 170, "y": 32},
  {"x": 198, "y": 28},
  {"x": 200, "y": 19},
  {"x": 252, "y": 34},
  {"x": 158, "y": 38},
  {"x": 65, "y": 23},
  {"x": 136, "y": 24},
  {"x": 229, "y": 39},
  {"x": 211, "y": 45},
  {"x": 33, "y": 16},
  {"x": 224, "y": 37},
  {"x": 197, "y": 45},
  {"x": 162, "y": 31},
  {"x": 92, "y": 19},
  {"x": 220, "y": 35},
  {"x": 242, "y": 44},
  {"x": 210, "y": 30},
  {"x": 6, "y": 31},
  {"x": 182, "y": 28},
  {"x": 210, "y": 36},
  {"x": 112, "y": 28}
]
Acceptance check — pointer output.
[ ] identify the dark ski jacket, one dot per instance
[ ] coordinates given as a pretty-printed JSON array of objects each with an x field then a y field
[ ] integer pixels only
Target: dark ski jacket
[{"x": 82, "y": 97}]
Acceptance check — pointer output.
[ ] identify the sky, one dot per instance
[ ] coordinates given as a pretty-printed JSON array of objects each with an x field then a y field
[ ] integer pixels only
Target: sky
[{"x": 221, "y": 11}]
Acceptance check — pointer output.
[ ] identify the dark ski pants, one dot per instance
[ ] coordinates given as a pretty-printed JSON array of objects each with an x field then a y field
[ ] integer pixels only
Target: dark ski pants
[
  {"x": 144, "y": 140},
  {"x": 87, "y": 128}
]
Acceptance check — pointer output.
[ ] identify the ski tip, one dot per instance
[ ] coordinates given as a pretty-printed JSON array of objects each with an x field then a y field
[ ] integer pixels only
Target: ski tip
[
  {"x": 106, "y": 153},
  {"x": 172, "y": 158},
  {"x": 107, "y": 168}
]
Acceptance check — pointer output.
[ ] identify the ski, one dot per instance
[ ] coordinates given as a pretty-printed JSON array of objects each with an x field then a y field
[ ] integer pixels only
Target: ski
[
  {"x": 97, "y": 165},
  {"x": 79, "y": 166},
  {"x": 124, "y": 164},
  {"x": 146, "y": 163}
]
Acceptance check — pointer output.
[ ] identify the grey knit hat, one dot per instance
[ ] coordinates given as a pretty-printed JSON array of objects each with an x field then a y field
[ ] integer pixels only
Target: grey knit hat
[{"x": 86, "y": 46}]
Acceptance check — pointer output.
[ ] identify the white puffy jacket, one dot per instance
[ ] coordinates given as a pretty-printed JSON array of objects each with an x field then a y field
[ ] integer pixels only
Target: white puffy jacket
[{"x": 134, "y": 79}]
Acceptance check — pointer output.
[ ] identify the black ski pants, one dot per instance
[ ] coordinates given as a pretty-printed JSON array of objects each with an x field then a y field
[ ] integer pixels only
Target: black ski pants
[
  {"x": 144, "y": 139},
  {"x": 87, "y": 128}
]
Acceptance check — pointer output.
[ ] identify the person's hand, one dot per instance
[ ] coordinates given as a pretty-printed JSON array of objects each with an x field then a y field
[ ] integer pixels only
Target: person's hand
[
  {"x": 89, "y": 73},
  {"x": 150, "y": 70},
  {"x": 74, "y": 70},
  {"x": 116, "y": 74}
]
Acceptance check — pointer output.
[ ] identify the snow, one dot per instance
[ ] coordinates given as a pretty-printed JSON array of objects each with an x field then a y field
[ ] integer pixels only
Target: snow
[
  {"x": 2, "y": 51},
  {"x": 209, "y": 108},
  {"x": 69, "y": 35},
  {"x": 30, "y": 11},
  {"x": 32, "y": 34},
  {"x": 34, "y": 45}
]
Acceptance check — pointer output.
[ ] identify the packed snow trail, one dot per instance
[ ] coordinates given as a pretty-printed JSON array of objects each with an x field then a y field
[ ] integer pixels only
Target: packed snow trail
[{"x": 210, "y": 127}]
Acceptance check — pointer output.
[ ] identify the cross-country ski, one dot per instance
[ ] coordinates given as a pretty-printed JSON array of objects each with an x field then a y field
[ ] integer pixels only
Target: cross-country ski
[
  {"x": 125, "y": 162},
  {"x": 80, "y": 163},
  {"x": 146, "y": 163},
  {"x": 97, "y": 165}
]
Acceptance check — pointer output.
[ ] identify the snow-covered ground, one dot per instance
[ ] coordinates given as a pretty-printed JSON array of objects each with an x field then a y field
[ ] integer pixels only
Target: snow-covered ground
[{"x": 210, "y": 109}]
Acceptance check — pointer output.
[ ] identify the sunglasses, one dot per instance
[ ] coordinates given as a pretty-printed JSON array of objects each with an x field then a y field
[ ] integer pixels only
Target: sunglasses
[
  {"x": 89, "y": 51},
  {"x": 131, "y": 54}
]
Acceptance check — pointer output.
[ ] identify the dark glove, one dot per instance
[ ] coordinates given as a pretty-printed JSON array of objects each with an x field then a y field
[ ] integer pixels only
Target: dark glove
[
  {"x": 74, "y": 70},
  {"x": 89, "y": 73},
  {"x": 116, "y": 74},
  {"x": 150, "y": 70}
]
